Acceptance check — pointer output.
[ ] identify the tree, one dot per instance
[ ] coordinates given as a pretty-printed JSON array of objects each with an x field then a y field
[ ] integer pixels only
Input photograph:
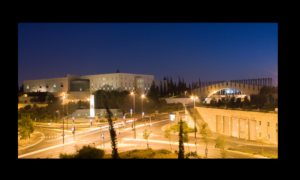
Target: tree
[
  {"x": 72, "y": 106},
  {"x": 167, "y": 134},
  {"x": 34, "y": 99},
  {"x": 86, "y": 152},
  {"x": 181, "y": 146},
  {"x": 246, "y": 102},
  {"x": 186, "y": 139},
  {"x": 207, "y": 135},
  {"x": 153, "y": 97},
  {"x": 146, "y": 134},
  {"x": 22, "y": 88},
  {"x": 113, "y": 136},
  {"x": 213, "y": 102},
  {"x": 221, "y": 143},
  {"x": 238, "y": 102},
  {"x": 161, "y": 91},
  {"x": 25, "y": 127},
  {"x": 165, "y": 92},
  {"x": 232, "y": 102}
]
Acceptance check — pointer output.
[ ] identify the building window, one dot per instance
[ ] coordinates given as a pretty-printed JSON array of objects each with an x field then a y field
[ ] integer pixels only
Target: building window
[
  {"x": 268, "y": 136},
  {"x": 107, "y": 88},
  {"x": 145, "y": 88},
  {"x": 40, "y": 86},
  {"x": 78, "y": 115},
  {"x": 126, "y": 88},
  {"x": 129, "y": 88},
  {"x": 112, "y": 88},
  {"x": 46, "y": 86},
  {"x": 268, "y": 123},
  {"x": 103, "y": 84},
  {"x": 54, "y": 85},
  {"x": 148, "y": 88},
  {"x": 61, "y": 85},
  {"x": 33, "y": 87},
  {"x": 27, "y": 87},
  {"x": 103, "y": 88},
  {"x": 103, "y": 78},
  {"x": 259, "y": 122},
  {"x": 92, "y": 84}
]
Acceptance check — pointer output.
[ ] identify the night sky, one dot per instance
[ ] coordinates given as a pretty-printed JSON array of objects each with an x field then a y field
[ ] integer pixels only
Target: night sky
[{"x": 209, "y": 51}]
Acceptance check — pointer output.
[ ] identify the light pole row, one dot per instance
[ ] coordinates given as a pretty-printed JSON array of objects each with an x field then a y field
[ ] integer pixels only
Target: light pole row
[{"x": 133, "y": 102}]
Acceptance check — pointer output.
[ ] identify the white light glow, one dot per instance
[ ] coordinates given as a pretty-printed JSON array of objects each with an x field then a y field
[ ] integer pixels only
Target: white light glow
[{"x": 92, "y": 109}]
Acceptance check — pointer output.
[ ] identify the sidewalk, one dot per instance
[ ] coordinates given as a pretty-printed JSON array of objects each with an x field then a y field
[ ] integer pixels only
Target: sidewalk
[{"x": 35, "y": 138}]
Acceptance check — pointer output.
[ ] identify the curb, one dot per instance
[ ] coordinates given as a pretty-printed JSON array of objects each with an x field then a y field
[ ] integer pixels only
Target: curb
[
  {"x": 43, "y": 137},
  {"x": 250, "y": 154}
]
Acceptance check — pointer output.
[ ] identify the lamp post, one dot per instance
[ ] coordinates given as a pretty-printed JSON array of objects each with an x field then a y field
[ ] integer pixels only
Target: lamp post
[
  {"x": 195, "y": 121},
  {"x": 63, "y": 123},
  {"x": 142, "y": 110},
  {"x": 185, "y": 105},
  {"x": 133, "y": 102}
]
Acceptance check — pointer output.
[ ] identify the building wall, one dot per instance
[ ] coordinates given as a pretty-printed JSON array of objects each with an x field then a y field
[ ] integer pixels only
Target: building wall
[
  {"x": 40, "y": 85},
  {"x": 119, "y": 82},
  {"x": 181, "y": 100},
  {"x": 250, "y": 122},
  {"x": 113, "y": 81},
  {"x": 207, "y": 91}
]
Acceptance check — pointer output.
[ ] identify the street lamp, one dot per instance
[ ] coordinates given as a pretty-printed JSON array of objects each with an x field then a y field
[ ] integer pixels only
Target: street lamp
[
  {"x": 133, "y": 102},
  {"x": 142, "y": 110},
  {"x": 185, "y": 105},
  {"x": 195, "y": 120}
]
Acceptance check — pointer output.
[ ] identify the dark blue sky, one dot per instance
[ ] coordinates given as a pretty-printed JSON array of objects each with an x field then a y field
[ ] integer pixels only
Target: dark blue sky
[{"x": 209, "y": 51}]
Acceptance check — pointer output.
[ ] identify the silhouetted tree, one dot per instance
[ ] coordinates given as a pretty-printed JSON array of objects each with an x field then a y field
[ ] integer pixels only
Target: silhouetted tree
[
  {"x": 113, "y": 136},
  {"x": 181, "y": 146},
  {"x": 165, "y": 92}
]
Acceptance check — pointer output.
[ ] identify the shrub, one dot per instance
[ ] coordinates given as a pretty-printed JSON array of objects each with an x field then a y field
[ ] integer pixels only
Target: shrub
[
  {"x": 66, "y": 156},
  {"x": 164, "y": 151},
  {"x": 193, "y": 154},
  {"x": 86, "y": 152}
]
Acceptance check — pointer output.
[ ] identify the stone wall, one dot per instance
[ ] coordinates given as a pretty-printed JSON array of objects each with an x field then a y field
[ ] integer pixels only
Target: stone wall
[
  {"x": 31, "y": 104},
  {"x": 86, "y": 112},
  {"x": 233, "y": 122},
  {"x": 181, "y": 100}
]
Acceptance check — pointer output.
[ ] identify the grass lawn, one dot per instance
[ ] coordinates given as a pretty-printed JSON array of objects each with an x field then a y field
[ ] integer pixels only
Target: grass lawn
[
  {"x": 255, "y": 153},
  {"x": 145, "y": 154}
]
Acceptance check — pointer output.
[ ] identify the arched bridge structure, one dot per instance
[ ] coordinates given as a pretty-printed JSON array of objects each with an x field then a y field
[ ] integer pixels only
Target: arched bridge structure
[{"x": 234, "y": 87}]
